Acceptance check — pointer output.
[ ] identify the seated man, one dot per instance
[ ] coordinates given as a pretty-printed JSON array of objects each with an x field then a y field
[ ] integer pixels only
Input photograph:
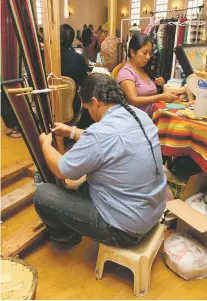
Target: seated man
[
  {"x": 121, "y": 157},
  {"x": 73, "y": 65}
]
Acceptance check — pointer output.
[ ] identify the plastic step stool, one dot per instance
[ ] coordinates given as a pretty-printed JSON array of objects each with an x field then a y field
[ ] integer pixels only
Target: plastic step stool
[{"x": 138, "y": 259}]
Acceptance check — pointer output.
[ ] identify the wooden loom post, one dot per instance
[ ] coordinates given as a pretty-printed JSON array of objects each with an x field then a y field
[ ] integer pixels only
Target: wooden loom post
[{"x": 51, "y": 28}]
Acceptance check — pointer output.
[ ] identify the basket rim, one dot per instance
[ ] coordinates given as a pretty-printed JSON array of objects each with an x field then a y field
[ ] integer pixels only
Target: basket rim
[{"x": 32, "y": 269}]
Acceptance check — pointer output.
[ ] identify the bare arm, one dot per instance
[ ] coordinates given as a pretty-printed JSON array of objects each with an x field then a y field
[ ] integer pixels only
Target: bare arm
[
  {"x": 51, "y": 155},
  {"x": 64, "y": 130},
  {"x": 130, "y": 91},
  {"x": 78, "y": 133}
]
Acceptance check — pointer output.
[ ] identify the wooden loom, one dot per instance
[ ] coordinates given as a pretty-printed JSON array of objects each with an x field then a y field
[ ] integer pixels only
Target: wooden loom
[{"x": 23, "y": 237}]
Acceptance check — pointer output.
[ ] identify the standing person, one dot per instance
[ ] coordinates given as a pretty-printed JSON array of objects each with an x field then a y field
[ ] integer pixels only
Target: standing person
[
  {"x": 12, "y": 125},
  {"x": 86, "y": 40},
  {"x": 121, "y": 157},
  {"x": 93, "y": 45},
  {"x": 132, "y": 31},
  {"x": 139, "y": 89},
  {"x": 73, "y": 65}
]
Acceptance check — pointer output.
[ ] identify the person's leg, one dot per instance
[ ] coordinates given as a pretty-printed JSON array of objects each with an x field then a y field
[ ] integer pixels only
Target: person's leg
[
  {"x": 69, "y": 214},
  {"x": 9, "y": 118},
  {"x": 86, "y": 53}
]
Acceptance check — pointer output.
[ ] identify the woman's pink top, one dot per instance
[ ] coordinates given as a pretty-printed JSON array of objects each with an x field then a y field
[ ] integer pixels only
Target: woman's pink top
[{"x": 143, "y": 87}]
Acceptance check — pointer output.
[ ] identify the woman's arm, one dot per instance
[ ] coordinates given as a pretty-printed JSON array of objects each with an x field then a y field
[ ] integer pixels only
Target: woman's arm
[{"x": 130, "y": 91}]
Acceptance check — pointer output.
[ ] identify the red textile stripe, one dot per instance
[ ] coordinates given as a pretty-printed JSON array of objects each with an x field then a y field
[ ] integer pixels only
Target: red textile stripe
[
  {"x": 20, "y": 105},
  {"x": 181, "y": 136},
  {"x": 30, "y": 131},
  {"x": 25, "y": 27}
]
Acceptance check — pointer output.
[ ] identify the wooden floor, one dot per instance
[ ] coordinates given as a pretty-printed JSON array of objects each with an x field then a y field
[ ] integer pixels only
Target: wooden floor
[
  {"x": 14, "y": 153},
  {"x": 69, "y": 273}
]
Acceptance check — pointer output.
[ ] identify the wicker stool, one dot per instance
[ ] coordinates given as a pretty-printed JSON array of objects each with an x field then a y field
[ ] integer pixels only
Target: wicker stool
[{"x": 138, "y": 259}]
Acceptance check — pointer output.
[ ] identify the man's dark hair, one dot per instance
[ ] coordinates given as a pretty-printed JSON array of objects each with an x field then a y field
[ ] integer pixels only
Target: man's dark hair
[
  {"x": 67, "y": 35},
  {"x": 105, "y": 89},
  {"x": 90, "y": 26}
]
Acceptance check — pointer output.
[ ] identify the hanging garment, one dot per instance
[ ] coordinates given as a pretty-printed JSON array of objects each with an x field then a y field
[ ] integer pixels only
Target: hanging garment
[
  {"x": 20, "y": 14},
  {"x": 161, "y": 37},
  {"x": 152, "y": 67},
  {"x": 147, "y": 29},
  {"x": 166, "y": 65},
  {"x": 186, "y": 34},
  {"x": 181, "y": 32}
]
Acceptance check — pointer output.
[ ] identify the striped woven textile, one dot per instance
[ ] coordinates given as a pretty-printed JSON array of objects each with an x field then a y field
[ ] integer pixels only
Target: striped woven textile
[
  {"x": 21, "y": 105},
  {"x": 180, "y": 137},
  {"x": 26, "y": 30}
]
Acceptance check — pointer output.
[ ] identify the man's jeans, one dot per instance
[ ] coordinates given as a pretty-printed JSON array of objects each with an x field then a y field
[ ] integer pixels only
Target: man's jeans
[{"x": 67, "y": 213}]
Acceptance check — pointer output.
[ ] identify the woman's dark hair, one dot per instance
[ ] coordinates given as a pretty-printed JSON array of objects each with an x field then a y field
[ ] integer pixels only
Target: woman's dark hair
[
  {"x": 67, "y": 35},
  {"x": 105, "y": 89},
  {"x": 138, "y": 41},
  {"x": 85, "y": 26}
]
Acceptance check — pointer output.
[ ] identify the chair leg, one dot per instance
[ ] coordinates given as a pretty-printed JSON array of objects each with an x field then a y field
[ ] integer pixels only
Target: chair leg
[
  {"x": 99, "y": 265},
  {"x": 144, "y": 272},
  {"x": 142, "y": 277},
  {"x": 136, "y": 283}
]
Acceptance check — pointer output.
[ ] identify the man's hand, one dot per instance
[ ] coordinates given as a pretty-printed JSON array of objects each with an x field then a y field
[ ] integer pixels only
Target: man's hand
[
  {"x": 45, "y": 139},
  {"x": 62, "y": 129},
  {"x": 159, "y": 81}
]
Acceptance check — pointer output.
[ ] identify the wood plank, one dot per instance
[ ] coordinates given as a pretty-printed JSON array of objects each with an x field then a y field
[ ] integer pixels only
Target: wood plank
[
  {"x": 75, "y": 268},
  {"x": 31, "y": 171},
  {"x": 15, "y": 157},
  {"x": 12, "y": 171},
  {"x": 17, "y": 220},
  {"x": 21, "y": 181},
  {"x": 18, "y": 197},
  {"x": 22, "y": 238}
]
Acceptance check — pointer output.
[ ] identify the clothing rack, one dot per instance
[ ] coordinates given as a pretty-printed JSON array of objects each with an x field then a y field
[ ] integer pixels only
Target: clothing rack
[
  {"x": 176, "y": 10},
  {"x": 176, "y": 37},
  {"x": 135, "y": 19}
]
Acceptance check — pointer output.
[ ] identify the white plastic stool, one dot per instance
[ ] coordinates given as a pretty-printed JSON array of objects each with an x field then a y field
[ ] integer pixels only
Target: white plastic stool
[{"x": 138, "y": 259}]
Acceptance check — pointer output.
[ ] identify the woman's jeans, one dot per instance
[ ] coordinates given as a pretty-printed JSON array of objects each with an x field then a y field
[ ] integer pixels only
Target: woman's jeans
[{"x": 72, "y": 213}]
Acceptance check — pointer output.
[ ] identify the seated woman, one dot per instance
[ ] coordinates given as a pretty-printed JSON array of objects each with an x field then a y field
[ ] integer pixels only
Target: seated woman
[
  {"x": 126, "y": 195},
  {"x": 138, "y": 88}
]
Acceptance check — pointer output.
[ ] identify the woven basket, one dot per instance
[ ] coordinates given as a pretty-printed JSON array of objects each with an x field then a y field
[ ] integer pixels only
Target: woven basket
[{"x": 18, "y": 279}]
